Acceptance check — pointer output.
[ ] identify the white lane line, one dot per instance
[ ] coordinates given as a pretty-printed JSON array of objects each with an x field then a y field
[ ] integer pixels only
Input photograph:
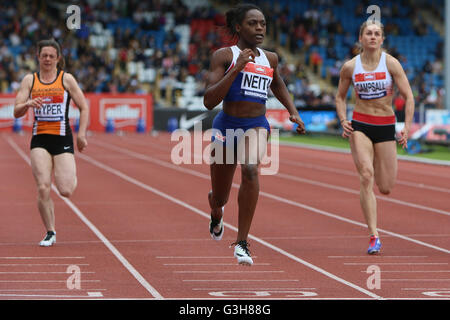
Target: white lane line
[
  {"x": 34, "y": 258},
  {"x": 354, "y": 174},
  {"x": 135, "y": 240},
  {"x": 422, "y": 280},
  {"x": 212, "y": 264},
  {"x": 335, "y": 216},
  {"x": 410, "y": 271},
  {"x": 251, "y": 289},
  {"x": 96, "y": 231},
  {"x": 269, "y": 298},
  {"x": 369, "y": 257},
  {"x": 297, "y": 298},
  {"x": 394, "y": 263},
  {"x": 48, "y": 290},
  {"x": 317, "y": 237},
  {"x": 437, "y": 235},
  {"x": 284, "y": 176},
  {"x": 347, "y": 151},
  {"x": 49, "y": 295},
  {"x": 196, "y": 257},
  {"x": 268, "y": 195},
  {"x": 425, "y": 289},
  {"x": 95, "y": 294},
  {"x": 40, "y": 272},
  {"x": 356, "y": 192},
  {"x": 241, "y": 280},
  {"x": 42, "y": 281},
  {"x": 206, "y": 215},
  {"x": 224, "y": 271},
  {"x": 41, "y": 264}
]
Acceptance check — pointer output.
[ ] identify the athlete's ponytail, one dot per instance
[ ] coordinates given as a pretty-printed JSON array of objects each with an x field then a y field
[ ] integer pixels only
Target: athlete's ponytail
[{"x": 54, "y": 44}]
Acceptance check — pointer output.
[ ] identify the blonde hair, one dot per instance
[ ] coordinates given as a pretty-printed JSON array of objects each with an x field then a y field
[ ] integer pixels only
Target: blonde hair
[{"x": 368, "y": 23}]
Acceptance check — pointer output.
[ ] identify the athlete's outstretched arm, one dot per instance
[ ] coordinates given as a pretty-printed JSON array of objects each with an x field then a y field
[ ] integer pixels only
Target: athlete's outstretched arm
[
  {"x": 78, "y": 97},
  {"x": 23, "y": 101},
  {"x": 281, "y": 92},
  {"x": 345, "y": 80}
]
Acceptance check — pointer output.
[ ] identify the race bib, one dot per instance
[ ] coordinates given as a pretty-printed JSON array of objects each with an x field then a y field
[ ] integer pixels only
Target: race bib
[
  {"x": 52, "y": 109},
  {"x": 256, "y": 80},
  {"x": 371, "y": 85}
]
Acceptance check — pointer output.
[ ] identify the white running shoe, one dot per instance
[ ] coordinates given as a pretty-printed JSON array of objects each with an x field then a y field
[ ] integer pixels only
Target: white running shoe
[
  {"x": 216, "y": 228},
  {"x": 49, "y": 240},
  {"x": 242, "y": 253}
]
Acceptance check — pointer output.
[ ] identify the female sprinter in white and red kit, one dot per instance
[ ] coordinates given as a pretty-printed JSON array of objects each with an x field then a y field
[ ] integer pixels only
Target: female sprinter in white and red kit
[{"x": 372, "y": 130}]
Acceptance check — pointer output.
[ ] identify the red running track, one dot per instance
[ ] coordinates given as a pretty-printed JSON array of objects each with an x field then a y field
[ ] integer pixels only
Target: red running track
[{"x": 137, "y": 227}]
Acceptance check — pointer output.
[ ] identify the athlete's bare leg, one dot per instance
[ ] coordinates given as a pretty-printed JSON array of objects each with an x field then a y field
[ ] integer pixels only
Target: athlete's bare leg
[
  {"x": 363, "y": 157},
  {"x": 221, "y": 180},
  {"x": 385, "y": 164},
  {"x": 253, "y": 148},
  {"x": 65, "y": 173},
  {"x": 42, "y": 165}
]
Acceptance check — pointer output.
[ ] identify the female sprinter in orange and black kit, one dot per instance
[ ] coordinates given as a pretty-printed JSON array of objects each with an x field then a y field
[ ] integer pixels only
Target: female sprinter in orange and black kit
[{"x": 48, "y": 92}]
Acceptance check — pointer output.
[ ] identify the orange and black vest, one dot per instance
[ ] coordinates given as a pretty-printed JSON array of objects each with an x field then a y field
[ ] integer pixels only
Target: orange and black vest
[{"x": 53, "y": 116}]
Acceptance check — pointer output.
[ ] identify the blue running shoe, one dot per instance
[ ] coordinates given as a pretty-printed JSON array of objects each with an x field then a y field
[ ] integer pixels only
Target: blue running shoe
[{"x": 374, "y": 245}]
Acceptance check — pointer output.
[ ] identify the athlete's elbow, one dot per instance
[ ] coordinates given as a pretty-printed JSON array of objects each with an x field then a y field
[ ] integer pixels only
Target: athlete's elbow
[
  {"x": 208, "y": 103},
  {"x": 409, "y": 100},
  {"x": 17, "y": 114}
]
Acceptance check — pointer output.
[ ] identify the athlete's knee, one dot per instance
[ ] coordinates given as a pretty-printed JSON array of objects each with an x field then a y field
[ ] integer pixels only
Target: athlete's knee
[
  {"x": 385, "y": 188},
  {"x": 249, "y": 172},
  {"x": 366, "y": 174},
  {"x": 67, "y": 189},
  {"x": 66, "y": 193},
  {"x": 43, "y": 190}
]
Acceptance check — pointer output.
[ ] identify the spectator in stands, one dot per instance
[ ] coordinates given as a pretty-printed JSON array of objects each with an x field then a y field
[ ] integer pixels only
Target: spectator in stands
[
  {"x": 334, "y": 73},
  {"x": 316, "y": 61},
  {"x": 149, "y": 21},
  {"x": 399, "y": 106}
]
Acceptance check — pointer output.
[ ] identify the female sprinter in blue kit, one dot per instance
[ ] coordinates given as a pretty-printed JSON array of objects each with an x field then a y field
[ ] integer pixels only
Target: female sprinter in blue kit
[{"x": 241, "y": 76}]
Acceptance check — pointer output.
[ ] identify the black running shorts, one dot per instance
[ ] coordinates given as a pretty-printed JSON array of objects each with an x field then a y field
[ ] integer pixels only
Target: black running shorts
[
  {"x": 376, "y": 133},
  {"x": 52, "y": 143},
  {"x": 376, "y": 128}
]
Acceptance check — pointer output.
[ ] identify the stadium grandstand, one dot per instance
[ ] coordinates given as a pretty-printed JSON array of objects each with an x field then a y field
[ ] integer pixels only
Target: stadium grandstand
[{"x": 162, "y": 47}]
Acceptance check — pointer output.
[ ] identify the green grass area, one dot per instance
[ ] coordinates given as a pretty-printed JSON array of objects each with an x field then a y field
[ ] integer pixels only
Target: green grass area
[{"x": 436, "y": 152}]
